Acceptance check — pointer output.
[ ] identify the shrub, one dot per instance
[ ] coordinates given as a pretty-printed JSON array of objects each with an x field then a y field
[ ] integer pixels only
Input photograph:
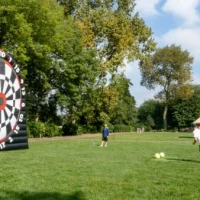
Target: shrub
[
  {"x": 111, "y": 127},
  {"x": 35, "y": 129},
  {"x": 148, "y": 129},
  {"x": 71, "y": 129},
  {"x": 39, "y": 129},
  {"x": 92, "y": 129},
  {"x": 122, "y": 128},
  {"x": 52, "y": 130}
]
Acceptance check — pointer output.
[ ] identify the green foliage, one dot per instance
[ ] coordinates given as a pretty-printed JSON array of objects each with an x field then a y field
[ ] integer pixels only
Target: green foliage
[
  {"x": 77, "y": 77},
  {"x": 170, "y": 69},
  {"x": 124, "y": 111},
  {"x": 35, "y": 129},
  {"x": 65, "y": 56},
  {"x": 122, "y": 128},
  {"x": 71, "y": 129},
  {"x": 125, "y": 6},
  {"x": 31, "y": 31},
  {"x": 110, "y": 126},
  {"x": 92, "y": 129},
  {"x": 52, "y": 130},
  {"x": 150, "y": 114},
  {"x": 186, "y": 111},
  {"x": 112, "y": 29},
  {"x": 49, "y": 112},
  {"x": 148, "y": 129},
  {"x": 40, "y": 129},
  {"x": 150, "y": 121}
]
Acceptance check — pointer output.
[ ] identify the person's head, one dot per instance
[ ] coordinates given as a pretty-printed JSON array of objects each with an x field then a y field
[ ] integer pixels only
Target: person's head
[{"x": 105, "y": 125}]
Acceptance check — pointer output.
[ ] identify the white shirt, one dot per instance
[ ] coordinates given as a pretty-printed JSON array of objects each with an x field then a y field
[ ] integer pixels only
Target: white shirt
[{"x": 196, "y": 133}]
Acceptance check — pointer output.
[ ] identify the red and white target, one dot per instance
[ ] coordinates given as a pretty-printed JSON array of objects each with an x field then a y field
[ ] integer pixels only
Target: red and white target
[
  {"x": 10, "y": 99},
  {"x": 12, "y": 95}
]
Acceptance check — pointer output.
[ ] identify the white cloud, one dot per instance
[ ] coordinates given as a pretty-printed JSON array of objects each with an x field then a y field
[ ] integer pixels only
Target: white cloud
[
  {"x": 184, "y": 9},
  {"x": 146, "y": 7},
  {"x": 187, "y": 38}
]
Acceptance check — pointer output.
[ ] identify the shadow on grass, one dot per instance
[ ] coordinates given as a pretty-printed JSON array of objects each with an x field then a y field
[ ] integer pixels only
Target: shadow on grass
[
  {"x": 183, "y": 159},
  {"x": 186, "y": 137},
  {"x": 27, "y": 195}
]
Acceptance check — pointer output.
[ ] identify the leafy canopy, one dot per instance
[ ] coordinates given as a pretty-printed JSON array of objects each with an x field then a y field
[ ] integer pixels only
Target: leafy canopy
[
  {"x": 170, "y": 69},
  {"x": 111, "y": 28}
]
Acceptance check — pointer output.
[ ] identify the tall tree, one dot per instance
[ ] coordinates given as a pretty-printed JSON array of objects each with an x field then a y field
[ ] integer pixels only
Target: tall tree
[
  {"x": 116, "y": 33},
  {"x": 112, "y": 103},
  {"x": 112, "y": 29},
  {"x": 29, "y": 32},
  {"x": 170, "y": 69},
  {"x": 48, "y": 47},
  {"x": 77, "y": 78},
  {"x": 124, "y": 111}
]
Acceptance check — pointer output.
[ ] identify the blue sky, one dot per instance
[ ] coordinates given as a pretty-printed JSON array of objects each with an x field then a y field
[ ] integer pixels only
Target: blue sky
[{"x": 172, "y": 22}]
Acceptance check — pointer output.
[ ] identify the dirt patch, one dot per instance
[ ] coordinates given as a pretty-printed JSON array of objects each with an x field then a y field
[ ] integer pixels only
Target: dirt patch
[
  {"x": 74, "y": 137},
  {"x": 84, "y": 136}
]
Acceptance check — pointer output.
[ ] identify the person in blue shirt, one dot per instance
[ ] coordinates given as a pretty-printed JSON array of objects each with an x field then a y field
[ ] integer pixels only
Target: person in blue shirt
[{"x": 105, "y": 134}]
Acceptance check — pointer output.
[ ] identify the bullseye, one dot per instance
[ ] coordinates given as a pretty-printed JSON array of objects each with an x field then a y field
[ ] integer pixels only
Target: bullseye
[{"x": 2, "y": 101}]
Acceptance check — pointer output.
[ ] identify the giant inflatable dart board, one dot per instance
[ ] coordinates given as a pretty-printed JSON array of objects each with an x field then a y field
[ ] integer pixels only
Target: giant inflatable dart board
[{"x": 13, "y": 133}]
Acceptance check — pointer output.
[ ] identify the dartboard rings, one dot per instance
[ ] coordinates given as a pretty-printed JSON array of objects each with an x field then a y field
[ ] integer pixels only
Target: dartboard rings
[{"x": 12, "y": 105}]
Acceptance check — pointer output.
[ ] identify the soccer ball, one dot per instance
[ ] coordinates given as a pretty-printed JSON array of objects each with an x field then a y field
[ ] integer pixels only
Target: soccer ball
[
  {"x": 162, "y": 155},
  {"x": 157, "y": 155}
]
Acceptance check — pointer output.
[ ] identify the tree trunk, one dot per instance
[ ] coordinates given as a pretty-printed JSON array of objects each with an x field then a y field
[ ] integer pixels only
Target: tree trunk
[{"x": 165, "y": 117}]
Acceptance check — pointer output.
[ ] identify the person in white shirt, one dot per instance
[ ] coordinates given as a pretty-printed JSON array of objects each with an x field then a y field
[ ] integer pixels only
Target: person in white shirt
[{"x": 196, "y": 135}]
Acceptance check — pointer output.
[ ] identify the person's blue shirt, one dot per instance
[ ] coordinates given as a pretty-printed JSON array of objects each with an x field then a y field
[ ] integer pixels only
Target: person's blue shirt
[{"x": 105, "y": 132}]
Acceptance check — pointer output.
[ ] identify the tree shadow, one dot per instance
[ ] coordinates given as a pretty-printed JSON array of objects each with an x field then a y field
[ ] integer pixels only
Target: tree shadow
[
  {"x": 28, "y": 195},
  {"x": 186, "y": 137},
  {"x": 183, "y": 159}
]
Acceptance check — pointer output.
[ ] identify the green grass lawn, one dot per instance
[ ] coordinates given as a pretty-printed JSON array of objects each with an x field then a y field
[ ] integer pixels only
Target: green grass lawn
[{"x": 125, "y": 170}]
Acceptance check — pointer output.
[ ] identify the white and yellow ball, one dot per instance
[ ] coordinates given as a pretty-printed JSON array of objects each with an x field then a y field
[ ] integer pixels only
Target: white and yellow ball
[
  {"x": 162, "y": 155},
  {"x": 157, "y": 155}
]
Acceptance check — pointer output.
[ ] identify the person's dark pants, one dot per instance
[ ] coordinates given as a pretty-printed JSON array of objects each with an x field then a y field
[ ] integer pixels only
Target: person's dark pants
[{"x": 105, "y": 138}]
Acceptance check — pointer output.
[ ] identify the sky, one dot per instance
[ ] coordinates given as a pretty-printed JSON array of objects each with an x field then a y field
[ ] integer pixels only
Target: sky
[{"x": 172, "y": 22}]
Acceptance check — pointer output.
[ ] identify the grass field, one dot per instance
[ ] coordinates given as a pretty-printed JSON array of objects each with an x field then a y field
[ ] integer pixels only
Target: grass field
[{"x": 79, "y": 169}]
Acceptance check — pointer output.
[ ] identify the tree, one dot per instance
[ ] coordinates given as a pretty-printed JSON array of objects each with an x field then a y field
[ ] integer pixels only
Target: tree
[
  {"x": 77, "y": 78},
  {"x": 115, "y": 33},
  {"x": 169, "y": 68},
  {"x": 48, "y": 47},
  {"x": 111, "y": 28},
  {"x": 110, "y": 104},
  {"x": 64, "y": 59},
  {"x": 29, "y": 32},
  {"x": 186, "y": 111},
  {"x": 150, "y": 121},
  {"x": 124, "y": 111},
  {"x": 149, "y": 113}
]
